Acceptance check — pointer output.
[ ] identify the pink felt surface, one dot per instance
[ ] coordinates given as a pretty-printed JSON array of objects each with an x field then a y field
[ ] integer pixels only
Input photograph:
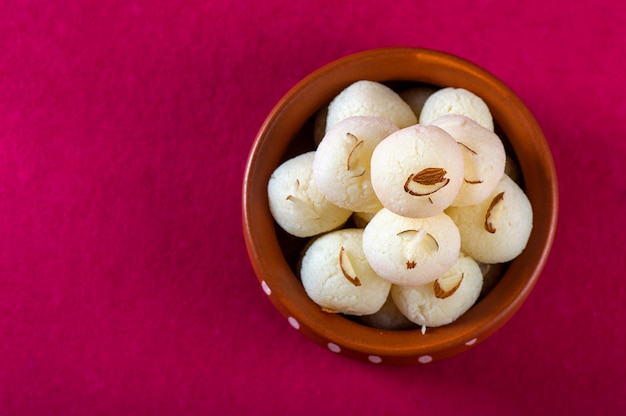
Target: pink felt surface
[{"x": 125, "y": 286}]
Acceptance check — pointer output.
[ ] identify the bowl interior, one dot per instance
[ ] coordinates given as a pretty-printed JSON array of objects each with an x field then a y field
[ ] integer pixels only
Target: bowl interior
[{"x": 287, "y": 131}]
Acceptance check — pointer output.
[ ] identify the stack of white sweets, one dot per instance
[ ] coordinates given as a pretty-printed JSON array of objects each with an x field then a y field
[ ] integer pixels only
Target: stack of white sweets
[{"x": 434, "y": 200}]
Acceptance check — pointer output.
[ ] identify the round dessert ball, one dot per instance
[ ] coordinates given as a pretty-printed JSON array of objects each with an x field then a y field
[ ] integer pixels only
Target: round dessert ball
[
  {"x": 456, "y": 101},
  {"x": 296, "y": 204},
  {"x": 336, "y": 275},
  {"x": 341, "y": 169},
  {"x": 484, "y": 157},
  {"x": 410, "y": 251},
  {"x": 496, "y": 230},
  {"x": 415, "y": 97},
  {"x": 417, "y": 171},
  {"x": 388, "y": 317},
  {"x": 443, "y": 301},
  {"x": 369, "y": 98}
]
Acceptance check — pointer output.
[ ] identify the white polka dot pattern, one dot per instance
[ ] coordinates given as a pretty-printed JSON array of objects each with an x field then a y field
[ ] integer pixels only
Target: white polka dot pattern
[
  {"x": 375, "y": 359},
  {"x": 293, "y": 322},
  {"x": 334, "y": 347},
  {"x": 425, "y": 359},
  {"x": 266, "y": 288}
]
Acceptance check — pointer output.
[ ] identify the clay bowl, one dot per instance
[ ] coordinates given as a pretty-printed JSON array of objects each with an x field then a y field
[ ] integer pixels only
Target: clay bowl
[{"x": 287, "y": 131}]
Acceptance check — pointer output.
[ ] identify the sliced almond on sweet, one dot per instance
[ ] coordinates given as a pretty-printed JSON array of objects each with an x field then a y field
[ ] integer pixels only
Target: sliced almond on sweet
[
  {"x": 426, "y": 182},
  {"x": 488, "y": 226},
  {"x": 347, "y": 269},
  {"x": 446, "y": 286},
  {"x": 414, "y": 239},
  {"x": 353, "y": 155},
  {"x": 304, "y": 206}
]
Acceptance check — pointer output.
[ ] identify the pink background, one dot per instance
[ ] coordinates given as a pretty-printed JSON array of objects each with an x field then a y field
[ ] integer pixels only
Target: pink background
[{"x": 125, "y": 287}]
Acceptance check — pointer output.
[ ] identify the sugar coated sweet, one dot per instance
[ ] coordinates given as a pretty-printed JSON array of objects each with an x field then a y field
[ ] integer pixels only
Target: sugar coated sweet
[
  {"x": 417, "y": 171},
  {"x": 295, "y": 202},
  {"x": 410, "y": 251},
  {"x": 444, "y": 300},
  {"x": 341, "y": 169},
  {"x": 369, "y": 98},
  {"x": 337, "y": 276},
  {"x": 483, "y": 156},
  {"x": 456, "y": 101},
  {"x": 496, "y": 230}
]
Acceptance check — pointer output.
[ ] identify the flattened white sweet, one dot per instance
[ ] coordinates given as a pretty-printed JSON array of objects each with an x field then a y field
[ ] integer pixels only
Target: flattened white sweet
[
  {"x": 415, "y": 97},
  {"x": 456, "y": 101},
  {"x": 295, "y": 202},
  {"x": 496, "y": 230},
  {"x": 341, "y": 169},
  {"x": 336, "y": 275},
  {"x": 417, "y": 171},
  {"x": 410, "y": 251},
  {"x": 483, "y": 156},
  {"x": 369, "y": 98},
  {"x": 388, "y": 317},
  {"x": 445, "y": 300}
]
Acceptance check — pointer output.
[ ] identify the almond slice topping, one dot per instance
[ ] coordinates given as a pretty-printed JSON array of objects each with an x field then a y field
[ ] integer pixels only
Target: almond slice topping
[
  {"x": 488, "y": 226},
  {"x": 347, "y": 269},
  {"x": 472, "y": 151},
  {"x": 352, "y": 159},
  {"x": 414, "y": 239},
  {"x": 445, "y": 287},
  {"x": 302, "y": 204},
  {"x": 428, "y": 177}
]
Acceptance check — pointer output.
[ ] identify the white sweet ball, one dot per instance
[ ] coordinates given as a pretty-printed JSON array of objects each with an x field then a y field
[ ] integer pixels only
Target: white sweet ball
[
  {"x": 445, "y": 300},
  {"x": 483, "y": 156},
  {"x": 456, "y": 101},
  {"x": 336, "y": 275},
  {"x": 410, "y": 251},
  {"x": 417, "y": 171},
  {"x": 496, "y": 230},
  {"x": 341, "y": 169},
  {"x": 295, "y": 202},
  {"x": 369, "y": 98}
]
